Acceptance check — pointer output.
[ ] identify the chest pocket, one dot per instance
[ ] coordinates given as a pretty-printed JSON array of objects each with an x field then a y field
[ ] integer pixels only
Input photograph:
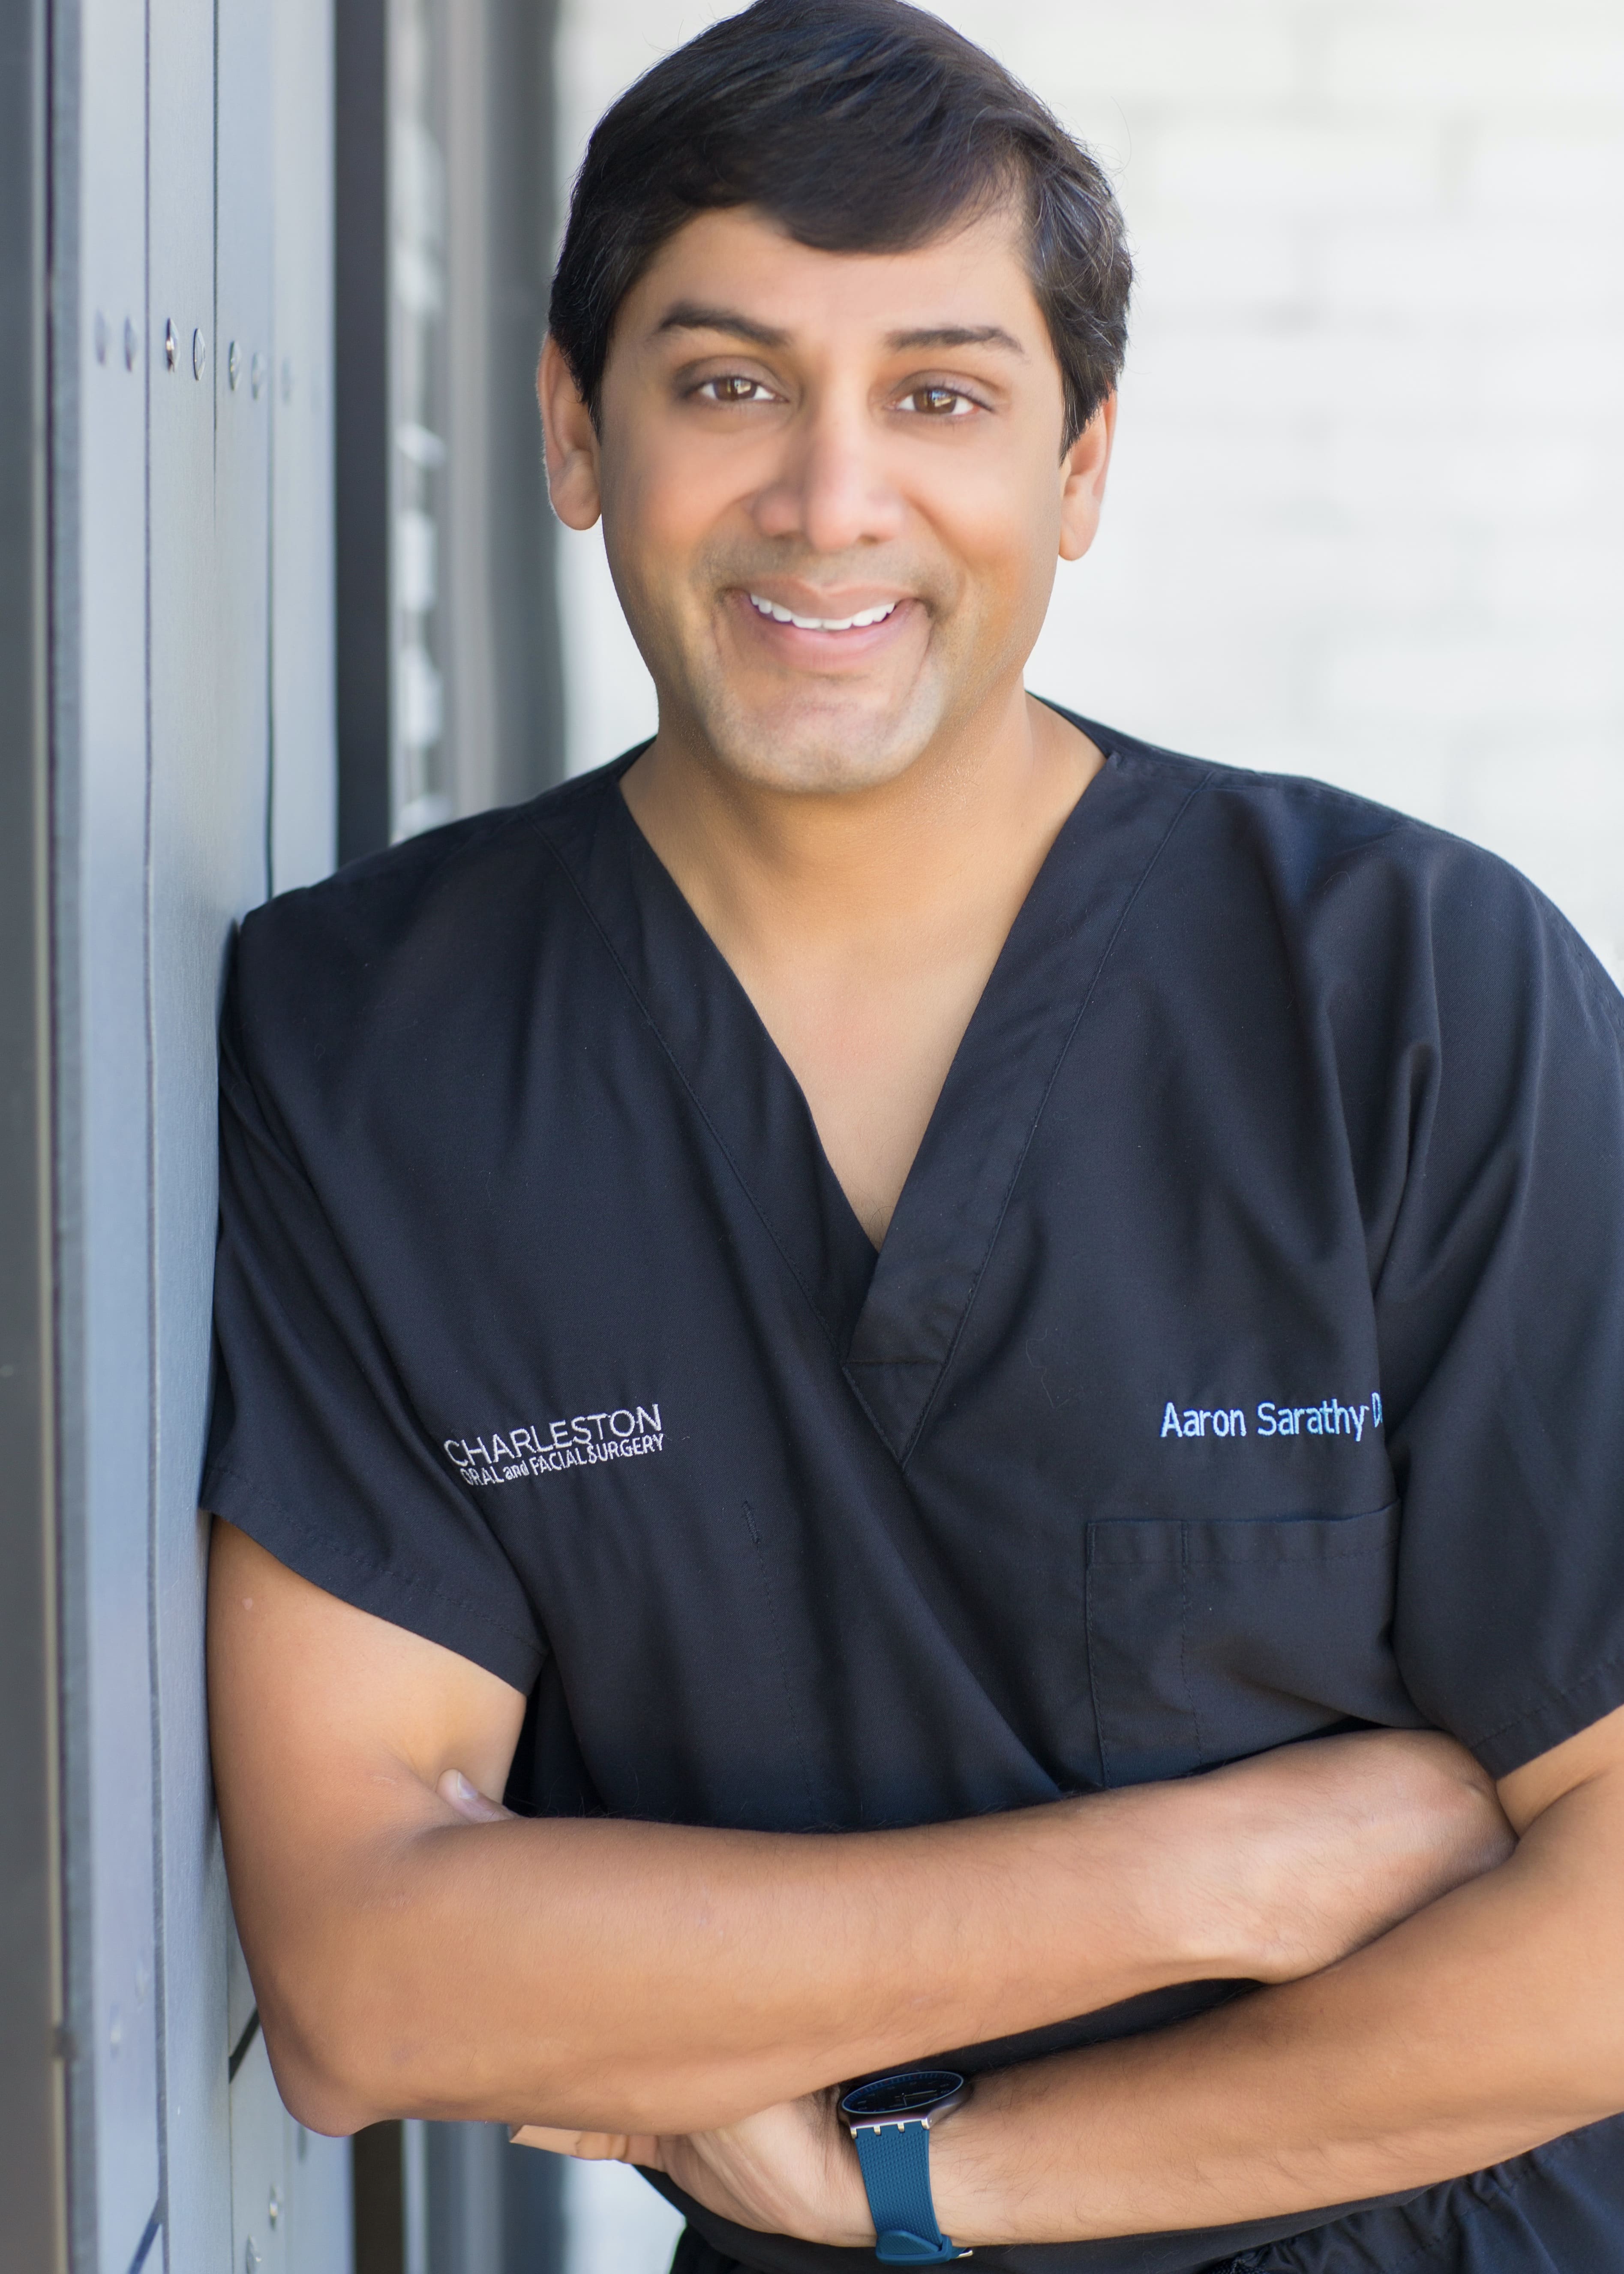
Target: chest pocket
[{"x": 1210, "y": 1638}]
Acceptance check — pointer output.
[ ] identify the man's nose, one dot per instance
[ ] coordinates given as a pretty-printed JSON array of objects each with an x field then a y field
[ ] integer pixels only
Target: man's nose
[{"x": 833, "y": 489}]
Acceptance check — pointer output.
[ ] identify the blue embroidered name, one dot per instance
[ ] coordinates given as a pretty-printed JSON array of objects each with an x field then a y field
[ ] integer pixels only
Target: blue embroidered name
[{"x": 1329, "y": 1419}]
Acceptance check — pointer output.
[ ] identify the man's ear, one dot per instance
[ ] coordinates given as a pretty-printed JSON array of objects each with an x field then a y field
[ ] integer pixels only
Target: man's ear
[
  {"x": 571, "y": 441},
  {"x": 1082, "y": 481}
]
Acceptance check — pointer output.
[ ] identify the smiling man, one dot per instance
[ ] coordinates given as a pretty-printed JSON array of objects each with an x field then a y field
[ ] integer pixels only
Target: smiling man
[{"x": 981, "y": 1369}]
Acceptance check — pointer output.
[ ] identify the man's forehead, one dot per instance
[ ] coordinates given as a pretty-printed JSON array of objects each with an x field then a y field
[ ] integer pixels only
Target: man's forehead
[{"x": 740, "y": 274}]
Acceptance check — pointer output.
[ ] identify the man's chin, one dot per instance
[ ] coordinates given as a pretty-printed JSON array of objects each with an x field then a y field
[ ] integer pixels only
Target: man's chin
[{"x": 839, "y": 751}]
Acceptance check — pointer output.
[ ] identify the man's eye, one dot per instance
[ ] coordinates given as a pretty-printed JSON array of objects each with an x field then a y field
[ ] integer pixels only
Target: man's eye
[
  {"x": 937, "y": 403},
  {"x": 734, "y": 388}
]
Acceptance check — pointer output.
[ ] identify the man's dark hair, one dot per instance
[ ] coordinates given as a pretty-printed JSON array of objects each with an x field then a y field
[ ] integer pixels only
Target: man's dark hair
[{"x": 857, "y": 126}]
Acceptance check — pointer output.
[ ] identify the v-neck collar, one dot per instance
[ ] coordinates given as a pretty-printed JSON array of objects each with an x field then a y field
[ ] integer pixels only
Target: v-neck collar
[{"x": 892, "y": 1320}]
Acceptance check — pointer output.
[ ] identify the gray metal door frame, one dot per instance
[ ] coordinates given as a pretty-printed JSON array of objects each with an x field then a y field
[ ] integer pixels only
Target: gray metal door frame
[
  {"x": 165, "y": 623},
  {"x": 32, "y": 2126}
]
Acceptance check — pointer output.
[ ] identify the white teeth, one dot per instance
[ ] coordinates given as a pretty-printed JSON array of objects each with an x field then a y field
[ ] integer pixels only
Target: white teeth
[{"x": 864, "y": 616}]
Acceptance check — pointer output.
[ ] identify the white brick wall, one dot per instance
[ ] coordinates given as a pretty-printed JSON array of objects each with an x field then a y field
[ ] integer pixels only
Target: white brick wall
[{"x": 1367, "y": 520}]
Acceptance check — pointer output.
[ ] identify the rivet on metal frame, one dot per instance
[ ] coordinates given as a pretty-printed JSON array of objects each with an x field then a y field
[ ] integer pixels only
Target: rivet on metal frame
[
  {"x": 256, "y": 374},
  {"x": 234, "y": 365},
  {"x": 172, "y": 345},
  {"x": 132, "y": 344},
  {"x": 200, "y": 354}
]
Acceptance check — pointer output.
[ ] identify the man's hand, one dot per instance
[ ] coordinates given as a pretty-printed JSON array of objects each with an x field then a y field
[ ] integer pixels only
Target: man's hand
[{"x": 790, "y": 2170}]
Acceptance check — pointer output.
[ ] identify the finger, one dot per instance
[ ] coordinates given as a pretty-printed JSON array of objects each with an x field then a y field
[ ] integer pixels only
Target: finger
[
  {"x": 587, "y": 2147},
  {"x": 469, "y": 1802},
  {"x": 543, "y": 2136}
]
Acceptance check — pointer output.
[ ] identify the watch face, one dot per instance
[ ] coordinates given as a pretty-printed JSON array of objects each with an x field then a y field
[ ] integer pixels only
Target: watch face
[{"x": 912, "y": 2092}]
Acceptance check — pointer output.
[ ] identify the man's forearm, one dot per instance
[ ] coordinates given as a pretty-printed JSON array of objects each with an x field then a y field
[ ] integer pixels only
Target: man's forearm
[
  {"x": 1488, "y": 2023},
  {"x": 656, "y": 1978}
]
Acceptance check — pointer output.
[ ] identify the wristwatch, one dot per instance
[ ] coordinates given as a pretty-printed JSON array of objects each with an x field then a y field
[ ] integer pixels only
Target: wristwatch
[{"x": 889, "y": 2119}]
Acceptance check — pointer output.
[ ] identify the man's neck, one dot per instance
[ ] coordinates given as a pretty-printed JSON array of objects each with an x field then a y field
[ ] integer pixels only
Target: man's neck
[
  {"x": 864, "y": 924},
  {"x": 769, "y": 869}
]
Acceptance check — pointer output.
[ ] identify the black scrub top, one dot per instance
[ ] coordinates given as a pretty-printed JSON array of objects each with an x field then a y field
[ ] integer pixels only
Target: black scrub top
[{"x": 1245, "y": 1359}]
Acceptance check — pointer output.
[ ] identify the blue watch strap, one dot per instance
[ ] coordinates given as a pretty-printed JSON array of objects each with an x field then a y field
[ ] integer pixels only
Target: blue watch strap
[{"x": 896, "y": 2168}]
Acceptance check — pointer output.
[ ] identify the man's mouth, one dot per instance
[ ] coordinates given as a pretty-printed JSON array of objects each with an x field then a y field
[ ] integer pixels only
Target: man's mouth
[{"x": 860, "y": 622}]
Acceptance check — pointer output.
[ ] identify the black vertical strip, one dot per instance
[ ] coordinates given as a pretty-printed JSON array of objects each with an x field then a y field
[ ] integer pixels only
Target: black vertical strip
[
  {"x": 378, "y": 2179},
  {"x": 521, "y": 205},
  {"x": 362, "y": 438},
  {"x": 32, "y": 2178}
]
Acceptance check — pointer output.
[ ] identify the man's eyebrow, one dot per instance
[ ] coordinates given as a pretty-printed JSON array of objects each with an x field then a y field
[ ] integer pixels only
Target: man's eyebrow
[
  {"x": 956, "y": 335},
  {"x": 694, "y": 316}
]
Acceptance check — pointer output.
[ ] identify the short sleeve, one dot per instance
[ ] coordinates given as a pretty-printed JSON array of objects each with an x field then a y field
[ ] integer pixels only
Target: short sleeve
[
  {"x": 314, "y": 1447},
  {"x": 1499, "y": 1281}
]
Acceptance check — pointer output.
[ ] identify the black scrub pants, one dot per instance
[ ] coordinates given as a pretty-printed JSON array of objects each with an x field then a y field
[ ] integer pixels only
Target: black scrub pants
[{"x": 695, "y": 2256}]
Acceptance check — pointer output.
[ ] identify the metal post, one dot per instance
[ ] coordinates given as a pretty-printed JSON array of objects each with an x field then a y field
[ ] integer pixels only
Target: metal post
[
  {"x": 361, "y": 418},
  {"x": 450, "y": 676}
]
